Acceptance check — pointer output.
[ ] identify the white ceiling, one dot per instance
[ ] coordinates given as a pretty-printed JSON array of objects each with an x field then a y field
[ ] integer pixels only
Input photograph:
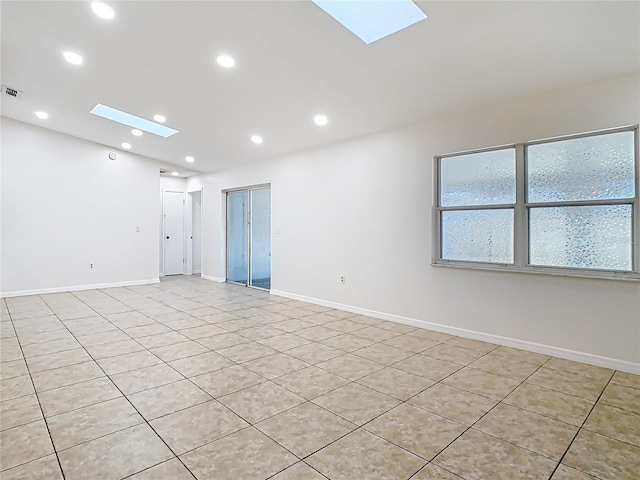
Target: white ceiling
[{"x": 293, "y": 61}]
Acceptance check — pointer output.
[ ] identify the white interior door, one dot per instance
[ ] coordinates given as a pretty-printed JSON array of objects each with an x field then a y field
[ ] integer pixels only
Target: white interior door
[
  {"x": 196, "y": 231},
  {"x": 173, "y": 233}
]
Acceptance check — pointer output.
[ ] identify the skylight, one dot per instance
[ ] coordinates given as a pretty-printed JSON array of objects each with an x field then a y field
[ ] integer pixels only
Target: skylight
[
  {"x": 373, "y": 20},
  {"x": 131, "y": 120}
]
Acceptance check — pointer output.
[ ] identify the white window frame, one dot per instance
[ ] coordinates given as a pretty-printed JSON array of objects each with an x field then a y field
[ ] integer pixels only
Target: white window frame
[{"x": 521, "y": 215}]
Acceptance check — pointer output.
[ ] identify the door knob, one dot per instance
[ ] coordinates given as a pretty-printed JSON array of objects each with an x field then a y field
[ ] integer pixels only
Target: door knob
[{"x": 167, "y": 237}]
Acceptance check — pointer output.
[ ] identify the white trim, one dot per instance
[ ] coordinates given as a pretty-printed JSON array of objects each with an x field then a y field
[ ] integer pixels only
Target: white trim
[
  {"x": 574, "y": 355},
  {"x": 42, "y": 291},
  {"x": 213, "y": 279}
]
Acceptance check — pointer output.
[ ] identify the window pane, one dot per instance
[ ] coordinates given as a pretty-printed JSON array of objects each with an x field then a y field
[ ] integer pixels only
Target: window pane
[
  {"x": 478, "y": 235},
  {"x": 487, "y": 178},
  {"x": 590, "y": 168},
  {"x": 597, "y": 237}
]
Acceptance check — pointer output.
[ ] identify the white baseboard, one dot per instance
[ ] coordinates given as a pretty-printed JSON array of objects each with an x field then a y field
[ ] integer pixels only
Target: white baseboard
[
  {"x": 567, "y": 354},
  {"x": 196, "y": 272},
  {"x": 213, "y": 279},
  {"x": 75, "y": 288}
]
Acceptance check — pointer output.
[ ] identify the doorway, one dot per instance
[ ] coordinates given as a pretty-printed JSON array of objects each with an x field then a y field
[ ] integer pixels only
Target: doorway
[
  {"x": 173, "y": 215},
  {"x": 249, "y": 237},
  {"x": 194, "y": 233}
]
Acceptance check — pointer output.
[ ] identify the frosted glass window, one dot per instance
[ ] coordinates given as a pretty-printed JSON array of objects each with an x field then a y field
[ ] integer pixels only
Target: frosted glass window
[
  {"x": 599, "y": 167},
  {"x": 478, "y": 235},
  {"x": 592, "y": 237},
  {"x": 486, "y": 178}
]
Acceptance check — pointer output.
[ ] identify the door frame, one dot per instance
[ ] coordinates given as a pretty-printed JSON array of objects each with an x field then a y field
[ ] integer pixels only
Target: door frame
[{"x": 164, "y": 233}]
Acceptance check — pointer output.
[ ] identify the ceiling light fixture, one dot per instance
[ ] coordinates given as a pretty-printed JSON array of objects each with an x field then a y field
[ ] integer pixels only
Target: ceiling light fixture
[
  {"x": 136, "y": 132},
  {"x": 126, "y": 145},
  {"x": 125, "y": 118},
  {"x": 257, "y": 139},
  {"x": 160, "y": 118},
  {"x": 189, "y": 159},
  {"x": 225, "y": 61},
  {"x": 320, "y": 120},
  {"x": 102, "y": 10},
  {"x": 175, "y": 174},
  {"x": 73, "y": 58},
  {"x": 42, "y": 115}
]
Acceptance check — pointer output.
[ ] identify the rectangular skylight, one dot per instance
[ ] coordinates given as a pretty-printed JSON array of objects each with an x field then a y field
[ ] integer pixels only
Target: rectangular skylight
[
  {"x": 131, "y": 120},
  {"x": 373, "y": 20}
]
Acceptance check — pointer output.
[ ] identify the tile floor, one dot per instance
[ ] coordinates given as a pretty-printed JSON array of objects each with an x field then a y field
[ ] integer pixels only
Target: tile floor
[{"x": 193, "y": 379}]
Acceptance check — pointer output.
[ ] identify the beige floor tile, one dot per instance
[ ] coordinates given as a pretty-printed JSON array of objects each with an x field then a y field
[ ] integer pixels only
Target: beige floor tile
[
  {"x": 558, "y": 405},
  {"x": 284, "y": 342},
  {"x": 623, "y": 397},
  {"x": 129, "y": 319},
  {"x": 247, "y": 454},
  {"x": 347, "y": 342},
  {"x": 305, "y": 429},
  {"x": 410, "y": 342},
  {"x": 12, "y": 369},
  {"x": 276, "y": 365},
  {"x": 202, "y": 331},
  {"x": 246, "y": 352},
  {"x": 53, "y": 346},
  {"x": 482, "y": 383},
  {"x": 78, "y": 395},
  {"x": 60, "y": 377},
  {"x": 317, "y": 333},
  {"x": 344, "y": 326},
  {"x": 626, "y": 379},
  {"x": 145, "y": 378},
  {"x": 314, "y": 353},
  {"x": 311, "y": 382},
  {"x": 476, "y": 456},
  {"x": 366, "y": 320},
  {"x": 504, "y": 367},
  {"x": 227, "y": 380},
  {"x": 616, "y": 423},
  {"x": 428, "y": 367},
  {"x": 451, "y": 353},
  {"x": 453, "y": 403},
  {"x": 261, "y": 401},
  {"x": 433, "y": 472},
  {"x": 112, "y": 349},
  {"x": 260, "y": 332},
  {"x": 430, "y": 335},
  {"x": 528, "y": 430},
  {"x": 114, "y": 456},
  {"x": 567, "y": 382},
  {"x": 222, "y": 341},
  {"x": 45, "y": 468},
  {"x": 195, "y": 426},
  {"x": 102, "y": 337},
  {"x": 375, "y": 334},
  {"x": 24, "y": 443},
  {"x": 199, "y": 364},
  {"x": 146, "y": 330},
  {"x": 57, "y": 360},
  {"x": 350, "y": 366},
  {"x": 395, "y": 383},
  {"x": 170, "y": 470},
  {"x": 521, "y": 355},
  {"x": 179, "y": 350},
  {"x": 30, "y": 338},
  {"x": 162, "y": 339},
  {"x": 588, "y": 371},
  {"x": 19, "y": 411},
  {"x": 15, "y": 387},
  {"x": 567, "y": 473},
  {"x": 476, "y": 345},
  {"x": 396, "y": 327},
  {"x": 363, "y": 455},
  {"x": 356, "y": 403},
  {"x": 385, "y": 354},
  {"x": 84, "y": 424},
  {"x": 299, "y": 471},
  {"x": 339, "y": 313},
  {"x": 238, "y": 324},
  {"x": 169, "y": 398},
  {"x": 603, "y": 457},
  {"x": 416, "y": 430},
  {"x": 127, "y": 362}
]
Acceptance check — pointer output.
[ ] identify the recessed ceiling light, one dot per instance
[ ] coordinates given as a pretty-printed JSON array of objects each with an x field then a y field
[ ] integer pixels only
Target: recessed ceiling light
[
  {"x": 136, "y": 132},
  {"x": 126, "y": 145},
  {"x": 320, "y": 120},
  {"x": 175, "y": 174},
  {"x": 189, "y": 159},
  {"x": 256, "y": 139},
  {"x": 125, "y": 118},
  {"x": 225, "y": 61},
  {"x": 160, "y": 118},
  {"x": 42, "y": 115},
  {"x": 73, "y": 58},
  {"x": 102, "y": 10}
]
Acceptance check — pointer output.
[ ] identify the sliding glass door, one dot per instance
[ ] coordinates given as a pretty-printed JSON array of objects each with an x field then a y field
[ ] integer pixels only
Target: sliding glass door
[{"x": 249, "y": 237}]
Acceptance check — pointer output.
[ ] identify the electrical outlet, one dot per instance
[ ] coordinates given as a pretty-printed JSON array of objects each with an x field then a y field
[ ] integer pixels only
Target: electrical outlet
[
  {"x": 342, "y": 279},
  {"x": 91, "y": 266}
]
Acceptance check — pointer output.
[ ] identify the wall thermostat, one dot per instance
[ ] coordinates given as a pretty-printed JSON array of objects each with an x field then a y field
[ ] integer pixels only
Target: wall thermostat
[{"x": 112, "y": 155}]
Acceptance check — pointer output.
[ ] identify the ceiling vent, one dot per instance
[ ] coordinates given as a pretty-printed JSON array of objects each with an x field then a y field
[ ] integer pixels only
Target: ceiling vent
[
  {"x": 162, "y": 170},
  {"x": 12, "y": 92}
]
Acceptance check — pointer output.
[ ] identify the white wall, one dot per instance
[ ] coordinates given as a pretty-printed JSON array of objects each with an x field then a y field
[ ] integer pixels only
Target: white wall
[
  {"x": 362, "y": 209},
  {"x": 66, "y": 205}
]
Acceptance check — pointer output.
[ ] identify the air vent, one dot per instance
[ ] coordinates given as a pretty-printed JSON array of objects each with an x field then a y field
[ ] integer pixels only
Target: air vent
[
  {"x": 12, "y": 92},
  {"x": 162, "y": 170}
]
